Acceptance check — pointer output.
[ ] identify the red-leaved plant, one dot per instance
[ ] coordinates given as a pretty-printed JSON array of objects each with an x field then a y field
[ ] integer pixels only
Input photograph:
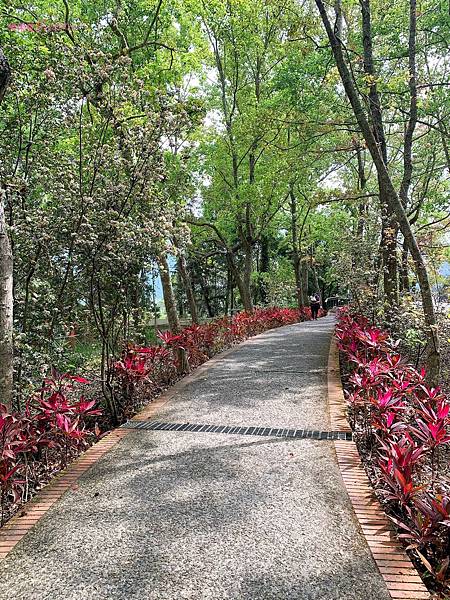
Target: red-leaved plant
[
  {"x": 141, "y": 373},
  {"x": 55, "y": 426},
  {"x": 401, "y": 425}
]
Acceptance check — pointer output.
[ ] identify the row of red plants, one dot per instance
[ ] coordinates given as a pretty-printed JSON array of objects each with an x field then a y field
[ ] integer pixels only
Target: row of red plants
[
  {"x": 56, "y": 425},
  {"x": 142, "y": 372},
  {"x": 402, "y": 431},
  {"x": 59, "y": 422}
]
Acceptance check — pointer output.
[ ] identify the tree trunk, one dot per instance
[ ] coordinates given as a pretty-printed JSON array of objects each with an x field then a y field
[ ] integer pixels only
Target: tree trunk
[
  {"x": 169, "y": 296},
  {"x": 316, "y": 279},
  {"x": 412, "y": 120},
  {"x": 242, "y": 281},
  {"x": 408, "y": 141},
  {"x": 295, "y": 251},
  {"x": 304, "y": 280},
  {"x": 171, "y": 309},
  {"x": 392, "y": 198},
  {"x": 5, "y": 74},
  {"x": 323, "y": 296},
  {"x": 298, "y": 278},
  {"x": 389, "y": 233},
  {"x": 300, "y": 267},
  {"x": 6, "y": 311},
  {"x": 246, "y": 292},
  {"x": 228, "y": 293},
  {"x": 404, "y": 277},
  {"x": 6, "y": 277},
  {"x": 206, "y": 299},
  {"x": 178, "y": 291},
  {"x": 362, "y": 180},
  {"x": 263, "y": 268},
  {"x": 389, "y": 228},
  {"x": 187, "y": 284}
]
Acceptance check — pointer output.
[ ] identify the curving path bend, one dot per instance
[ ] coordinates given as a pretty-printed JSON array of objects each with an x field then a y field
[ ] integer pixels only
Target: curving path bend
[{"x": 209, "y": 516}]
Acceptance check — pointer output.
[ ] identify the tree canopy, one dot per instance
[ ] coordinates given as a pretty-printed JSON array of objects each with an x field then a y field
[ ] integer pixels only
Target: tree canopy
[{"x": 252, "y": 153}]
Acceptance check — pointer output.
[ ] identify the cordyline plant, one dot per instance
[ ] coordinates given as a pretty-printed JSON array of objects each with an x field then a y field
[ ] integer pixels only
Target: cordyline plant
[
  {"x": 56, "y": 425},
  {"x": 402, "y": 425},
  {"x": 142, "y": 372}
]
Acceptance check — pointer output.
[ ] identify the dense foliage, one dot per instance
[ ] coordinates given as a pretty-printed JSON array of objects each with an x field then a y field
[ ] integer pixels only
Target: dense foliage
[
  {"x": 239, "y": 154},
  {"x": 214, "y": 140}
]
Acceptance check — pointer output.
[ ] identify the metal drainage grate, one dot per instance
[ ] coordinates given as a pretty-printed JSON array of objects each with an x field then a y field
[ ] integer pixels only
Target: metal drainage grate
[{"x": 263, "y": 431}]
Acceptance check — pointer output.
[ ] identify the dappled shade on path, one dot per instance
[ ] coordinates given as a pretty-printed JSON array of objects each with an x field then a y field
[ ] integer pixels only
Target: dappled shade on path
[{"x": 169, "y": 515}]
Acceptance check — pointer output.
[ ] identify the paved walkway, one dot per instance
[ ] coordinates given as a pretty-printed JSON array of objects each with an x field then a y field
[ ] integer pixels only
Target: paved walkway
[{"x": 178, "y": 515}]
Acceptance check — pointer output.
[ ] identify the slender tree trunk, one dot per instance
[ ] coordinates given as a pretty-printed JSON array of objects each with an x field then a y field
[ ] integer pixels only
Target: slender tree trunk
[
  {"x": 247, "y": 278},
  {"x": 298, "y": 278},
  {"x": 389, "y": 234},
  {"x": 171, "y": 309},
  {"x": 295, "y": 251},
  {"x": 392, "y": 198},
  {"x": 6, "y": 310},
  {"x": 410, "y": 128},
  {"x": 187, "y": 284},
  {"x": 295, "y": 241},
  {"x": 404, "y": 277},
  {"x": 389, "y": 228},
  {"x": 206, "y": 299},
  {"x": 242, "y": 281},
  {"x": 362, "y": 180},
  {"x": 178, "y": 291},
  {"x": 169, "y": 296},
  {"x": 412, "y": 120},
  {"x": 299, "y": 263},
  {"x": 228, "y": 292},
  {"x": 6, "y": 277},
  {"x": 263, "y": 269},
  {"x": 5, "y": 74},
  {"x": 323, "y": 295},
  {"x": 316, "y": 279},
  {"x": 304, "y": 279}
]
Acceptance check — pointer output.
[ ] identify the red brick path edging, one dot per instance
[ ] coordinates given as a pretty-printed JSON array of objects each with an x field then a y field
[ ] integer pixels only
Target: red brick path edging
[
  {"x": 336, "y": 400},
  {"x": 402, "y": 579}
]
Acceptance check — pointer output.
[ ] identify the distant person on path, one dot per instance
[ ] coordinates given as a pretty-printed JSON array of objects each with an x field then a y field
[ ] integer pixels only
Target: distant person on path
[{"x": 315, "y": 305}]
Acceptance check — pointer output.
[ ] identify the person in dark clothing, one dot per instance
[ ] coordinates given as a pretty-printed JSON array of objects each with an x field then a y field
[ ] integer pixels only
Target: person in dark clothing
[{"x": 315, "y": 306}]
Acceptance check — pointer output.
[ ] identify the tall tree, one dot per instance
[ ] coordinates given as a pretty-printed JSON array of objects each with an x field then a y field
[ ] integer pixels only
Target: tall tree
[
  {"x": 393, "y": 200},
  {"x": 6, "y": 275},
  {"x": 389, "y": 222}
]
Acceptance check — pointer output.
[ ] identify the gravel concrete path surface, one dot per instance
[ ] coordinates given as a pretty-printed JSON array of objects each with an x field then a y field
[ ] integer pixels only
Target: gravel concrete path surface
[{"x": 198, "y": 516}]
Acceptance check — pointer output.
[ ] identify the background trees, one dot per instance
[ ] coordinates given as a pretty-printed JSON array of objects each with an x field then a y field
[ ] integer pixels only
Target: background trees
[
  {"x": 393, "y": 203},
  {"x": 215, "y": 139},
  {"x": 87, "y": 173}
]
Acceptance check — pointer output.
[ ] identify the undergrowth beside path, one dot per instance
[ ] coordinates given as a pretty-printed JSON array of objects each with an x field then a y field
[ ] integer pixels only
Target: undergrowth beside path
[
  {"x": 142, "y": 372},
  {"x": 402, "y": 431}
]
